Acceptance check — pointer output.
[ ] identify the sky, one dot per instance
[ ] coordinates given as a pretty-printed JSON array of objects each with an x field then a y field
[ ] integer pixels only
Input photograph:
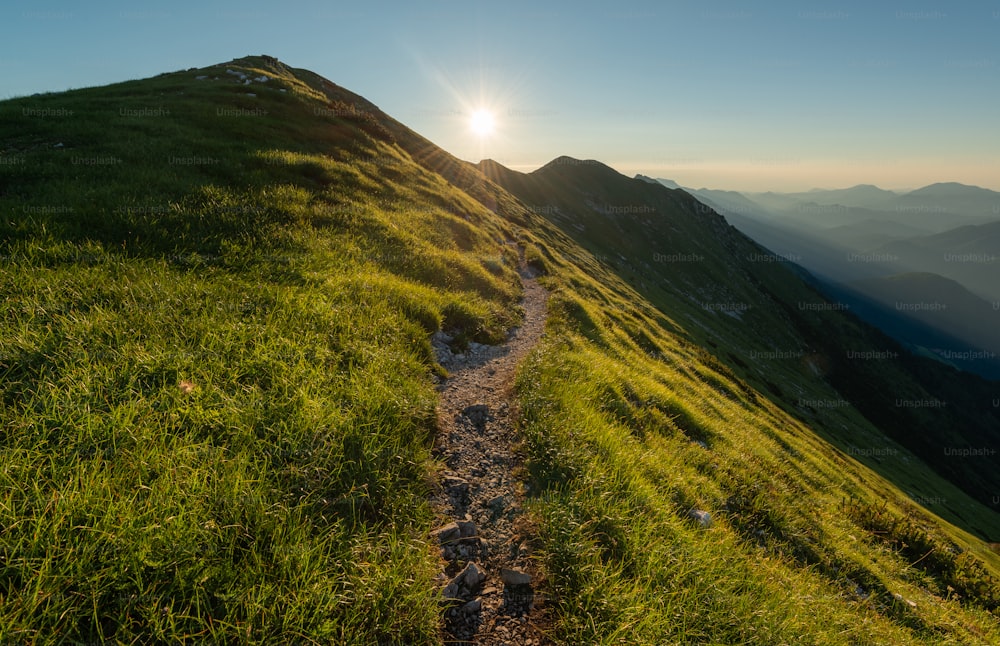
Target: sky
[{"x": 747, "y": 96}]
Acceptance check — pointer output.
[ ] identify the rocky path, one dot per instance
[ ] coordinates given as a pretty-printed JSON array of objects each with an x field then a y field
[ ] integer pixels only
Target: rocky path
[{"x": 488, "y": 580}]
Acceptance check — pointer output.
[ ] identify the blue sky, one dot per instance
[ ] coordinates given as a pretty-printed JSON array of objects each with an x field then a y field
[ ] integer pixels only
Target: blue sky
[{"x": 737, "y": 95}]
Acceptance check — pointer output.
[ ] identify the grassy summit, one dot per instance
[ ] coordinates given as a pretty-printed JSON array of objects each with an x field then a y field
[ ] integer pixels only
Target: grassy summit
[
  {"x": 218, "y": 397},
  {"x": 217, "y": 382}
]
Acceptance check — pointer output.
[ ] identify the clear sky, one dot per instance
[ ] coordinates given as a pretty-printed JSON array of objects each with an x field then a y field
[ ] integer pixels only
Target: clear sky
[{"x": 766, "y": 95}]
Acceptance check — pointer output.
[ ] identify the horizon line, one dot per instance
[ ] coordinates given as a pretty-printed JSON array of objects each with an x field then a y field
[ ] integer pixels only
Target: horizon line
[{"x": 529, "y": 167}]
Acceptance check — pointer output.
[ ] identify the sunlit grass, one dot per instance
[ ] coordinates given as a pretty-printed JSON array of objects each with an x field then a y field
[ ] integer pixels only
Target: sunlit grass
[
  {"x": 218, "y": 398},
  {"x": 625, "y": 443},
  {"x": 217, "y": 383}
]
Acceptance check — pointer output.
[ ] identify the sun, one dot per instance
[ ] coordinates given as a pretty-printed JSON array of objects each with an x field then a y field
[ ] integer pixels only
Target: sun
[{"x": 482, "y": 122}]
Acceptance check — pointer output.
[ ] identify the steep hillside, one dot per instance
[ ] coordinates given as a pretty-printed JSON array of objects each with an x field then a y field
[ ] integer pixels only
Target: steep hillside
[
  {"x": 681, "y": 503},
  {"x": 219, "y": 392},
  {"x": 217, "y": 381},
  {"x": 724, "y": 293}
]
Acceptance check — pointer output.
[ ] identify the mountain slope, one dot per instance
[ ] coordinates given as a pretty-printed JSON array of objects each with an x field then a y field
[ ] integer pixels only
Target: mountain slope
[
  {"x": 217, "y": 382},
  {"x": 219, "y": 393},
  {"x": 643, "y": 414},
  {"x": 969, "y": 255},
  {"x": 727, "y": 292}
]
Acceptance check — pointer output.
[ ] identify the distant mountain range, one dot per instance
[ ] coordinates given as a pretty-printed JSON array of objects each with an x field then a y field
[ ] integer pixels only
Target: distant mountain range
[
  {"x": 866, "y": 196},
  {"x": 937, "y": 206},
  {"x": 968, "y": 254},
  {"x": 879, "y": 248}
]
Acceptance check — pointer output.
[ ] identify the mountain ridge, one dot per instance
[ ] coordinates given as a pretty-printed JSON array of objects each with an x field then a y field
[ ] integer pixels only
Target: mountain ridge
[
  {"x": 220, "y": 382},
  {"x": 712, "y": 267}
]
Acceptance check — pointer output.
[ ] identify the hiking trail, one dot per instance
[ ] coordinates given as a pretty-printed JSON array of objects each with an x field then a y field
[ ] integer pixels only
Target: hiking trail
[{"x": 489, "y": 581}]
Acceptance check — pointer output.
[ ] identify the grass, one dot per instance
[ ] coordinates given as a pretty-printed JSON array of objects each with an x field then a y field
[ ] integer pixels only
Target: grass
[
  {"x": 218, "y": 398},
  {"x": 632, "y": 422},
  {"x": 623, "y": 446},
  {"x": 217, "y": 384}
]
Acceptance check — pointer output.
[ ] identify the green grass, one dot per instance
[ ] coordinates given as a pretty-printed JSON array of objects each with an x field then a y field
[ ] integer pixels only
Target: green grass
[
  {"x": 217, "y": 384},
  {"x": 218, "y": 398},
  {"x": 613, "y": 436},
  {"x": 628, "y": 432}
]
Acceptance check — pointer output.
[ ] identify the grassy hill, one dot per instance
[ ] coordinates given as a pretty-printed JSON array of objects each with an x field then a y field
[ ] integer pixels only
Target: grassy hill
[
  {"x": 217, "y": 384},
  {"x": 219, "y": 393},
  {"x": 692, "y": 371}
]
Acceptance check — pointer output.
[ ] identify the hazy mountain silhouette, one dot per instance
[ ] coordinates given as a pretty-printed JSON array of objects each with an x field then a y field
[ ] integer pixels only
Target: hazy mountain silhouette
[
  {"x": 838, "y": 236},
  {"x": 864, "y": 196},
  {"x": 953, "y": 324},
  {"x": 968, "y": 254}
]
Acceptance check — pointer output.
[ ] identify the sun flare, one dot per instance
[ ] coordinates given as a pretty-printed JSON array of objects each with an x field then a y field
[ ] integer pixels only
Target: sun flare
[{"x": 482, "y": 122}]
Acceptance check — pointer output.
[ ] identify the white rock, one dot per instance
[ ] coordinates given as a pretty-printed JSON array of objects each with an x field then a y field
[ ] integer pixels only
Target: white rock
[
  {"x": 703, "y": 517},
  {"x": 200, "y": 78}
]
